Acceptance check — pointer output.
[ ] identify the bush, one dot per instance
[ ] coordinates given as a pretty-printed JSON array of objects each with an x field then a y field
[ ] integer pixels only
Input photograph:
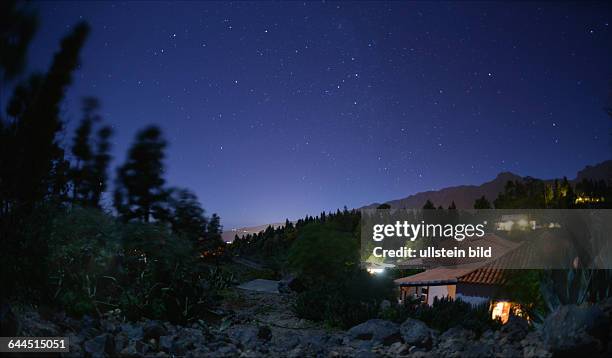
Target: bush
[
  {"x": 84, "y": 252},
  {"x": 347, "y": 302},
  {"x": 322, "y": 253},
  {"x": 446, "y": 313},
  {"x": 97, "y": 263}
]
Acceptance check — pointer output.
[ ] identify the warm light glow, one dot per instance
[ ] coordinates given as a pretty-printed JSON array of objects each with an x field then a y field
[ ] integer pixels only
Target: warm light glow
[
  {"x": 375, "y": 271},
  {"x": 588, "y": 199},
  {"x": 501, "y": 310}
]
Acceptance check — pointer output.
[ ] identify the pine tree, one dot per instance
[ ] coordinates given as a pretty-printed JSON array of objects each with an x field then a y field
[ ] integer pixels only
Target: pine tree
[
  {"x": 482, "y": 203},
  {"x": 139, "y": 192},
  {"x": 19, "y": 25},
  {"x": 89, "y": 172},
  {"x": 186, "y": 215},
  {"x": 38, "y": 172},
  {"x": 100, "y": 165},
  {"x": 82, "y": 152},
  {"x": 428, "y": 205}
]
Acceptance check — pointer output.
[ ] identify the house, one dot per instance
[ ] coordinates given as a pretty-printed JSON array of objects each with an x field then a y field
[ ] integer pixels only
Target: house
[{"x": 473, "y": 282}]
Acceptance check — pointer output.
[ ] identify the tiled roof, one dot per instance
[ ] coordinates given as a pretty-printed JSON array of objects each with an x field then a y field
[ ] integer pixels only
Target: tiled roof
[
  {"x": 492, "y": 272},
  {"x": 438, "y": 276}
]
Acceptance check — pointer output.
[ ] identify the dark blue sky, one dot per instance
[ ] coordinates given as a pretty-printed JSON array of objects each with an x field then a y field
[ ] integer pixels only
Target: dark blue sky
[{"x": 277, "y": 110}]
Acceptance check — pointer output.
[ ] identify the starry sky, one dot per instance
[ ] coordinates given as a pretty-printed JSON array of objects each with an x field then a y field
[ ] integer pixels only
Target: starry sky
[{"x": 278, "y": 110}]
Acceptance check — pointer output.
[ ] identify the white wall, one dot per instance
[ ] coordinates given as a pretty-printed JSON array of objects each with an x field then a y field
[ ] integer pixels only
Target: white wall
[{"x": 436, "y": 291}]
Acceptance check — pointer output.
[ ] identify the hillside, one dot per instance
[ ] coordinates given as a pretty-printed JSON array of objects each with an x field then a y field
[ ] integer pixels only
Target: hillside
[{"x": 463, "y": 195}]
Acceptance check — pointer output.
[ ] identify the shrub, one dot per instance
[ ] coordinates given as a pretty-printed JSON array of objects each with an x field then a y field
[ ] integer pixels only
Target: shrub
[
  {"x": 84, "y": 250},
  {"x": 446, "y": 313},
  {"x": 346, "y": 302},
  {"x": 322, "y": 253},
  {"x": 97, "y": 263}
]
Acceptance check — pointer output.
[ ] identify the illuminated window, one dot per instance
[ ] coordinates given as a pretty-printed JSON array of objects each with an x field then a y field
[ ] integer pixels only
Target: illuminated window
[{"x": 501, "y": 310}]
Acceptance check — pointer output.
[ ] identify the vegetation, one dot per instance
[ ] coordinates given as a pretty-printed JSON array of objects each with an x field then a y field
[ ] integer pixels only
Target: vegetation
[
  {"x": 58, "y": 246},
  {"x": 446, "y": 313}
]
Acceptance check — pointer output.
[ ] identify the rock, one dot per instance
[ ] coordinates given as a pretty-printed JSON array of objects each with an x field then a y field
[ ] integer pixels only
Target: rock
[
  {"x": 399, "y": 349},
  {"x": 290, "y": 284},
  {"x": 100, "y": 346},
  {"x": 285, "y": 340},
  {"x": 515, "y": 329},
  {"x": 376, "y": 330},
  {"x": 186, "y": 339},
  {"x": 121, "y": 341},
  {"x": 416, "y": 333},
  {"x": 385, "y": 305},
  {"x": 264, "y": 333},
  {"x": 9, "y": 323},
  {"x": 34, "y": 326},
  {"x": 575, "y": 330},
  {"x": 165, "y": 343},
  {"x": 133, "y": 332},
  {"x": 245, "y": 335},
  {"x": 454, "y": 341},
  {"x": 108, "y": 326},
  {"x": 153, "y": 329}
]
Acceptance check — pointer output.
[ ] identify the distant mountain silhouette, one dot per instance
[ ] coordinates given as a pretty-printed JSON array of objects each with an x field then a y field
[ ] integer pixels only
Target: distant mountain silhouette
[
  {"x": 463, "y": 195},
  {"x": 601, "y": 171},
  {"x": 228, "y": 236}
]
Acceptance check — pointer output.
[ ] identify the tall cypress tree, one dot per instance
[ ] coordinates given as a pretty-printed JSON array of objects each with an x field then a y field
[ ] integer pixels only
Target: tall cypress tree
[
  {"x": 100, "y": 165},
  {"x": 37, "y": 171},
  {"x": 32, "y": 164},
  {"x": 139, "y": 192},
  {"x": 89, "y": 172}
]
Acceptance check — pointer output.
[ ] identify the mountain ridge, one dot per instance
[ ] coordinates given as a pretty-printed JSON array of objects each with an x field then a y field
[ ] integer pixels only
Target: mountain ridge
[{"x": 463, "y": 195}]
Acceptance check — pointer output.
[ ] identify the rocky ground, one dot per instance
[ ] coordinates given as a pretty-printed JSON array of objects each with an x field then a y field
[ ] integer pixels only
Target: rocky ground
[{"x": 261, "y": 324}]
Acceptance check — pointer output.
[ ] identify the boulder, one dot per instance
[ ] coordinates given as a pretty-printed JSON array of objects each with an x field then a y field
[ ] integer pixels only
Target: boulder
[
  {"x": 515, "y": 329},
  {"x": 245, "y": 335},
  {"x": 33, "y": 326},
  {"x": 264, "y": 333},
  {"x": 153, "y": 329},
  {"x": 187, "y": 339},
  {"x": 416, "y": 333},
  {"x": 398, "y": 349},
  {"x": 376, "y": 330},
  {"x": 100, "y": 346},
  {"x": 165, "y": 343},
  {"x": 132, "y": 331},
  {"x": 9, "y": 323},
  {"x": 454, "y": 342},
  {"x": 576, "y": 330}
]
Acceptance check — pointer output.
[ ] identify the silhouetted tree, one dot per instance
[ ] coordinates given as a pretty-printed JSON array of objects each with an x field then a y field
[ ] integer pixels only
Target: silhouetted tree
[
  {"x": 139, "y": 192},
  {"x": 89, "y": 172},
  {"x": 428, "y": 205},
  {"x": 482, "y": 203},
  {"x": 33, "y": 170},
  {"x": 17, "y": 28},
  {"x": 186, "y": 215}
]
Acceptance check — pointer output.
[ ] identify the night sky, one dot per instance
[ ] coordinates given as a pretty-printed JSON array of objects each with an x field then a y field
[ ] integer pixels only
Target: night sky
[{"x": 277, "y": 110}]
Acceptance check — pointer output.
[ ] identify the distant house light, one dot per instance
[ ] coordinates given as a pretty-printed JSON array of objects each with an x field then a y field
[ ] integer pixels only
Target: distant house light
[
  {"x": 583, "y": 199},
  {"x": 375, "y": 270}
]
